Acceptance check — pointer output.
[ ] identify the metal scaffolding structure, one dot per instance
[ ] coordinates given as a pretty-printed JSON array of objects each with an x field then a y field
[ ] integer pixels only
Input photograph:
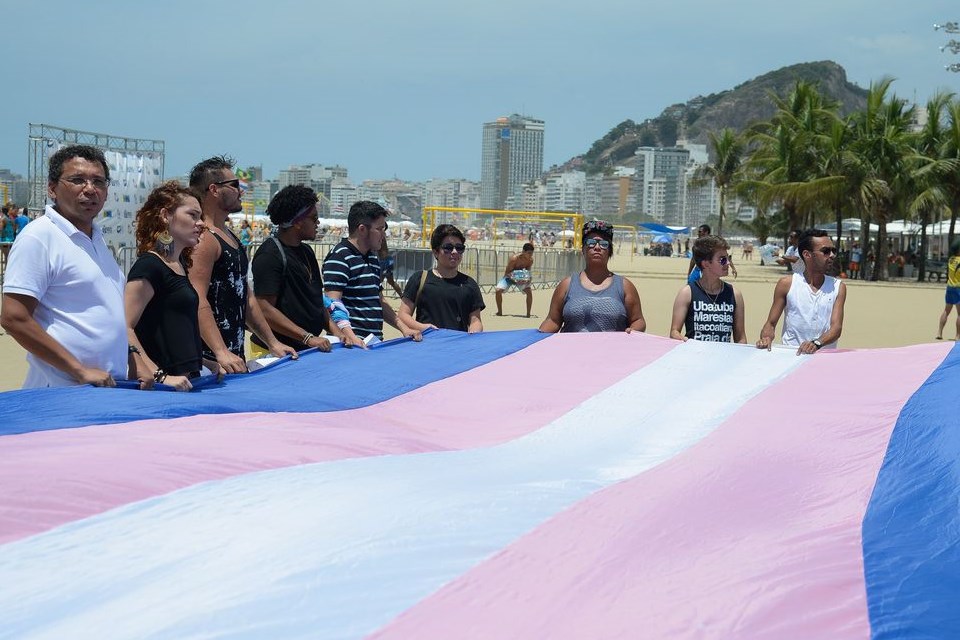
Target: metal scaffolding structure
[{"x": 44, "y": 136}]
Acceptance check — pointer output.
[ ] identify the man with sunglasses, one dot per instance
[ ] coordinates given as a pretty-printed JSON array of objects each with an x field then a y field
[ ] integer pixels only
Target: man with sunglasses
[
  {"x": 813, "y": 301},
  {"x": 63, "y": 294},
  {"x": 517, "y": 274},
  {"x": 219, "y": 272}
]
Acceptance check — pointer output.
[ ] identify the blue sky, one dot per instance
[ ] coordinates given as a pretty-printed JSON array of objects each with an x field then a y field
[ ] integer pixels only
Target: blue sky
[{"x": 402, "y": 88}]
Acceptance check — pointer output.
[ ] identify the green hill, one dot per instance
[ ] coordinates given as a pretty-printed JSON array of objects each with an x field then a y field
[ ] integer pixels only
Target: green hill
[{"x": 735, "y": 108}]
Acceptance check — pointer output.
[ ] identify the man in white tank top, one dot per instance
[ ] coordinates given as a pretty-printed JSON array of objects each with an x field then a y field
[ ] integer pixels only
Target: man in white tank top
[{"x": 813, "y": 301}]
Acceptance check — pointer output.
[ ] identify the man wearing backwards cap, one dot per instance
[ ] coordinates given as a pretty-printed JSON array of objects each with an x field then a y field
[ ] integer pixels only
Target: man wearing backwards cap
[{"x": 286, "y": 276}]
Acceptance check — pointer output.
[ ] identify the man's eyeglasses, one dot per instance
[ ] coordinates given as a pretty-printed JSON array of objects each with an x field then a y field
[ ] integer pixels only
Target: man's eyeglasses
[
  {"x": 592, "y": 242},
  {"x": 100, "y": 184},
  {"x": 828, "y": 251},
  {"x": 235, "y": 183},
  {"x": 449, "y": 248},
  {"x": 723, "y": 260}
]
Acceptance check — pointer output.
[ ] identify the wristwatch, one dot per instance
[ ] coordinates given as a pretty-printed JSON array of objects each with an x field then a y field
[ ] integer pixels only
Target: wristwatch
[{"x": 817, "y": 343}]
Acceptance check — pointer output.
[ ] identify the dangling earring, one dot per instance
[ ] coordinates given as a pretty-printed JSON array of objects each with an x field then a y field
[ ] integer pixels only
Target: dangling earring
[{"x": 164, "y": 243}]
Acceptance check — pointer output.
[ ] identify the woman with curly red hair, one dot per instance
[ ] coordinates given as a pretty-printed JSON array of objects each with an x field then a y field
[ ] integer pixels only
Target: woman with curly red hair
[{"x": 160, "y": 303}]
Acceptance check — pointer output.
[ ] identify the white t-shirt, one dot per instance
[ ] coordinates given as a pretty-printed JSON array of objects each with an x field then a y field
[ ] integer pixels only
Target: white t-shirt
[
  {"x": 807, "y": 314},
  {"x": 797, "y": 266},
  {"x": 79, "y": 288}
]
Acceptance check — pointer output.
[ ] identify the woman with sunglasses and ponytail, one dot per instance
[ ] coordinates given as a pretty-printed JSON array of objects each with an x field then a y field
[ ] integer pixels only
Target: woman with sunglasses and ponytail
[
  {"x": 443, "y": 297},
  {"x": 709, "y": 309},
  {"x": 595, "y": 299}
]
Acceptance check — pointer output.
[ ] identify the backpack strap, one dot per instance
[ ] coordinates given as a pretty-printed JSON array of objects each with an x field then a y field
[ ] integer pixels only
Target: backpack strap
[
  {"x": 283, "y": 255},
  {"x": 283, "y": 271},
  {"x": 423, "y": 281}
]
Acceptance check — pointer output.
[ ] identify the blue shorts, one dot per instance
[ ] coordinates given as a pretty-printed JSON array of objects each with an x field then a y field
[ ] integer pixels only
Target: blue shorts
[
  {"x": 953, "y": 295},
  {"x": 505, "y": 283}
]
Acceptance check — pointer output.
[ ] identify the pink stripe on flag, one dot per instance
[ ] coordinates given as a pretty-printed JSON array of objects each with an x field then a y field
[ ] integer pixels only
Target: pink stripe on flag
[
  {"x": 769, "y": 547},
  {"x": 49, "y": 478}
]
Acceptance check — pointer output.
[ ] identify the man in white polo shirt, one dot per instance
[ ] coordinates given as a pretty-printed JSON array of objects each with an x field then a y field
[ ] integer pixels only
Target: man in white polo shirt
[{"x": 63, "y": 290}]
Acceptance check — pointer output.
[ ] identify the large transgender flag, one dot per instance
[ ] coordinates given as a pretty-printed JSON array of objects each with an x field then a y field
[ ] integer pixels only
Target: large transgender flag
[{"x": 501, "y": 485}]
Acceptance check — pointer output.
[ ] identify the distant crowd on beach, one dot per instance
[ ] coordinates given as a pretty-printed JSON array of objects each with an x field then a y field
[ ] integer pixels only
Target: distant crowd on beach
[{"x": 186, "y": 304}]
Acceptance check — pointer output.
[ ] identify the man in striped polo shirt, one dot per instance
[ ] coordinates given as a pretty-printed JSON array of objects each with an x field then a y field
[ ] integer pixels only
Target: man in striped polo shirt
[{"x": 351, "y": 273}]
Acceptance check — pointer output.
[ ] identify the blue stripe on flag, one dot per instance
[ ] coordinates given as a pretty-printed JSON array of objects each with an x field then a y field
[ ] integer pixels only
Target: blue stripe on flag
[
  {"x": 911, "y": 531},
  {"x": 317, "y": 382}
]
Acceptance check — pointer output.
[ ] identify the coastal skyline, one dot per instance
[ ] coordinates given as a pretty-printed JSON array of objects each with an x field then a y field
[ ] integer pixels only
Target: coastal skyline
[{"x": 388, "y": 90}]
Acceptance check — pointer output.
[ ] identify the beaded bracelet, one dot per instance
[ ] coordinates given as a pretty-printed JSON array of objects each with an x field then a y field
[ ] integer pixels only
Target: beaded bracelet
[
  {"x": 159, "y": 376},
  {"x": 306, "y": 338}
]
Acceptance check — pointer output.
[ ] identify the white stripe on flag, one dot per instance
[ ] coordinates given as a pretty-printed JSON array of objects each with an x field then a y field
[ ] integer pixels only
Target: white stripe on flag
[{"x": 339, "y": 549}]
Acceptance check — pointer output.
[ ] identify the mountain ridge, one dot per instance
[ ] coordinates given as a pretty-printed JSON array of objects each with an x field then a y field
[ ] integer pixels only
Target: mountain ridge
[{"x": 736, "y": 108}]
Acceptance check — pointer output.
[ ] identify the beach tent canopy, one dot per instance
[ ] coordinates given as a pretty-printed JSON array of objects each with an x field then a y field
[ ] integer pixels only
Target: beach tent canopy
[
  {"x": 439, "y": 489},
  {"x": 942, "y": 228},
  {"x": 847, "y": 225},
  {"x": 664, "y": 238},
  {"x": 662, "y": 228},
  {"x": 237, "y": 218}
]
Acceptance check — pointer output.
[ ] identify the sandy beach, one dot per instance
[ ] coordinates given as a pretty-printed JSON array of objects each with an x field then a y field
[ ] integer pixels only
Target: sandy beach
[{"x": 877, "y": 314}]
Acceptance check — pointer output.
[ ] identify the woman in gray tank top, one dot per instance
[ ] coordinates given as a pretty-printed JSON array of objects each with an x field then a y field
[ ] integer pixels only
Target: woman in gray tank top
[{"x": 595, "y": 299}]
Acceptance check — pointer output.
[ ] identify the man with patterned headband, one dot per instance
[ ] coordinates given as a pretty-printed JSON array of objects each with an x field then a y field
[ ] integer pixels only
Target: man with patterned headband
[
  {"x": 286, "y": 275},
  {"x": 517, "y": 274}
]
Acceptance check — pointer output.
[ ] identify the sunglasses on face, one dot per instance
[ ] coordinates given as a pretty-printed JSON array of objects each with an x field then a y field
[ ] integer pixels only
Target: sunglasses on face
[
  {"x": 827, "y": 251},
  {"x": 723, "y": 260},
  {"x": 449, "y": 248},
  {"x": 592, "y": 242},
  {"x": 235, "y": 183}
]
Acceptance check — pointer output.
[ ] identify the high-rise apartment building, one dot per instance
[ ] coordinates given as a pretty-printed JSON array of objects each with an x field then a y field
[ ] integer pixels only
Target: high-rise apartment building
[
  {"x": 512, "y": 155},
  {"x": 564, "y": 191},
  {"x": 316, "y": 176},
  {"x": 662, "y": 171}
]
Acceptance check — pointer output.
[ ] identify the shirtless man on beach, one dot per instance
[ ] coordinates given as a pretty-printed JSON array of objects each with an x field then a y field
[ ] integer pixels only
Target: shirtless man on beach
[
  {"x": 813, "y": 301},
  {"x": 517, "y": 274}
]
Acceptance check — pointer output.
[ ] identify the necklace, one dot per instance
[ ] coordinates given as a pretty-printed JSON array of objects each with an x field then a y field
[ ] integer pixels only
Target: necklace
[
  {"x": 713, "y": 297},
  {"x": 304, "y": 260}
]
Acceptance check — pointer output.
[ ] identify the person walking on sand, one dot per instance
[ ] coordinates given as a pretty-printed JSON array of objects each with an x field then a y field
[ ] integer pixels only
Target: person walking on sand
[
  {"x": 517, "y": 274},
  {"x": 953, "y": 290}
]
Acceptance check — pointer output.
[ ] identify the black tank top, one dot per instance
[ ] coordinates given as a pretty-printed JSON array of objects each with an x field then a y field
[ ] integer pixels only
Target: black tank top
[
  {"x": 227, "y": 295},
  {"x": 710, "y": 318}
]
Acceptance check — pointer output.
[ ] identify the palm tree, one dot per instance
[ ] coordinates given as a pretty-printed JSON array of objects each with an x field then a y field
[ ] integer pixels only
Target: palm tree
[
  {"x": 951, "y": 151},
  {"x": 728, "y": 149},
  {"x": 839, "y": 171},
  {"x": 933, "y": 172},
  {"x": 787, "y": 151},
  {"x": 883, "y": 144}
]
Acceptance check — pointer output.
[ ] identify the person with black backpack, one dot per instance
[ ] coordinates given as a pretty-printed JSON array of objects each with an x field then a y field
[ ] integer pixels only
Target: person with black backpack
[{"x": 286, "y": 276}]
